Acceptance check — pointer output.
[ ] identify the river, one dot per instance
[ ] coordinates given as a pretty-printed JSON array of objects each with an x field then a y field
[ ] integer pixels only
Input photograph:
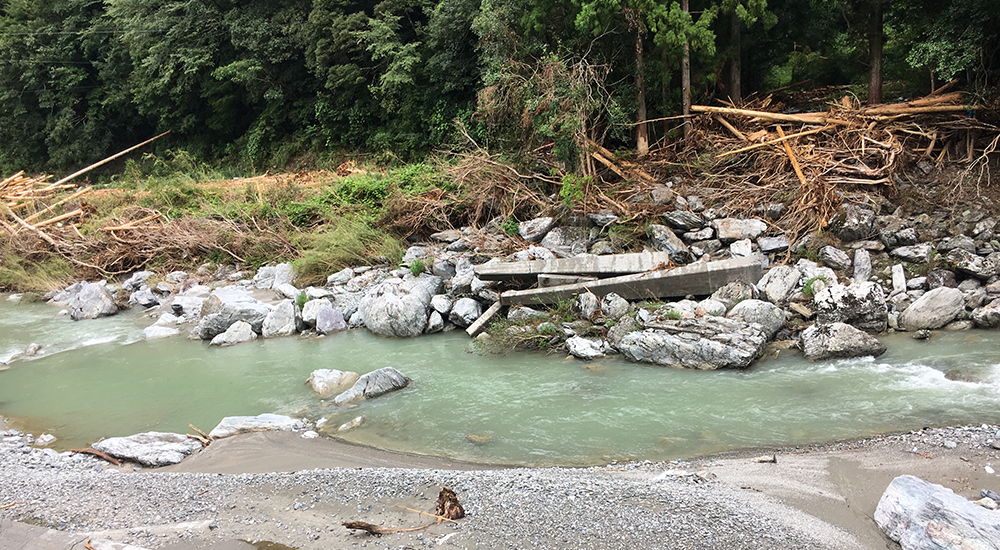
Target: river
[{"x": 98, "y": 378}]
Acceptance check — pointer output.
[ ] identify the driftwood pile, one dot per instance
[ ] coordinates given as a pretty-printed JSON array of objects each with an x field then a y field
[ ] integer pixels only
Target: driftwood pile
[{"x": 805, "y": 164}]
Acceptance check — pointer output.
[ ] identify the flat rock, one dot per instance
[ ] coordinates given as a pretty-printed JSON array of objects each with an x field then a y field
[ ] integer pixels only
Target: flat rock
[
  {"x": 769, "y": 316},
  {"x": 778, "y": 283},
  {"x": 934, "y": 309},
  {"x": 150, "y": 448},
  {"x": 232, "y": 425},
  {"x": 925, "y": 516},
  {"x": 373, "y": 384},
  {"x": 834, "y": 257},
  {"x": 836, "y": 340},
  {"x": 704, "y": 343},
  {"x": 327, "y": 382},
  {"x": 918, "y": 253},
  {"x": 769, "y": 245},
  {"x": 584, "y": 348},
  {"x": 155, "y": 332},
  {"x": 534, "y": 230}
]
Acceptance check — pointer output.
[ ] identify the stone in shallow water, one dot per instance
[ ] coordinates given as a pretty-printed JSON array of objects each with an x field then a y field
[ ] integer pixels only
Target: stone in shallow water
[{"x": 232, "y": 425}]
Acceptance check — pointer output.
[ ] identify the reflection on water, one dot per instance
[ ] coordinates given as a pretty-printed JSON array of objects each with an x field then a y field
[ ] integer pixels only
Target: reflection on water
[{"x": 96, "y": 379}]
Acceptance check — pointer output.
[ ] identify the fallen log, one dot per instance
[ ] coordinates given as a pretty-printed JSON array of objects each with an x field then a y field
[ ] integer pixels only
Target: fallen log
[
  {"x": 439, "y": 518},
  {"x": 773, "y": 141},
  {"x": 38, "y": 214},
  {"x": 791, "y": 156},
  {"x": 107, "y": 160},
  {"x": 60, "y": 218},
  {"x": 805, "y": 118},
  {"x": 98, "y": 454},
  {"x": 379, "y": 530}
]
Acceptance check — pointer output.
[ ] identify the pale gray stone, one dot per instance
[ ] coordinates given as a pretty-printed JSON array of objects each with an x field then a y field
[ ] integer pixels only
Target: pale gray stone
[
  {"x": 584, "y": 348},
  {"x": 283, "y": 274},
  {"x": 441, "y": 303},
  {"x": 918, "y": 253},
  {"x": 811, "y": 271},
  {"x": 898, "y": 279},
  {"x": 861, "y": 305},
  {"x": 702, "y": 234},
  {"x": 156, "y": 331},
  {"x": 327, "y": 382},
  {"x": 232, "y": 425},
  {"x": 341, "y": 277},
  {"x": 435, "y": 323},
  {"x": 534, "y": 230},
  {"x": 704, "y": 343},
  {"x": 837, "y": 340},
  {"x": 67, "y": 294},
  {"x": 587, "y": 305},
  {"x": 237, "y": 333},
  {"x": 144, "y": 298},
  {"x": 977, "y": 266},
  {"x": 465, "y": 312},
  {"x": 834, "y": 257},
  {"x": 353, "y": 423},
  {"x": 567, "y": 242},
  {"x": 311, "y": 308},
  {"x": 987, "y": 316},
  {"x": 735, "y": 292},
  {"x": 188, "y": 307},
  {"x": 92, "y": 301},
  {"x": 614, "y": 306},
  {"x": 150, "y": 448},
  {"x": 137, "y": 280},
  {"x": 264, "y": 278},
  {"x": 684, "y": 220},
  {"x": 925, "y": 516},
  {"x": 862, "y": 265},
  {"x": 400, "y": 310},
  {"x": 769, "y": 245},
  {"x": 731, "y": 229},
  {"x": 415, "y": 253},
  {"x": 330, "y": 320},
  {"x": 287, "y": 291},
  {"x": 741, "y": 249},
  {"x": 778, "y": 283},
  {"x": 765, "y": 314},
  {"x": 934, "y": 309},
  {"x": 711, "y": 307},
  {"x": 214, "y": 324},
  {"x": 524, "y": 313},
  {"x": 373, "y": 384},
  {"x": 447, "y": 236}
]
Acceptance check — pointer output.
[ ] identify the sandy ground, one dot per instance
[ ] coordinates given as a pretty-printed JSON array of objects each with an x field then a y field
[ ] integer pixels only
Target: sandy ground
[{"x": 829, "y": 491}]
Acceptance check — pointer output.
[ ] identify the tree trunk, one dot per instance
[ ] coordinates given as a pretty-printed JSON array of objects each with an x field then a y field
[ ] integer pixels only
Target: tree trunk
[
  {"x": 736, "y": 62},
  {"x": 686, "y": 82},
  {"x": 642, "y": 129},
  {"x": 875, "y": 43}
]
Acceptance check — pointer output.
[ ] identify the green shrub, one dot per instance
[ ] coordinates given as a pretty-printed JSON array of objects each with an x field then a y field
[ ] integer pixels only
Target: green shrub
[{"x": 417, "y": 267}]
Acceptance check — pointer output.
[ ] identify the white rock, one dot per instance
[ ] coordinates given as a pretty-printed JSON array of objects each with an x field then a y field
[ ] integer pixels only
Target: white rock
[
  {"x": 584, "y": 348},
  {"x": 150, "y": 448},
  {"x": 327, "y": 382},
  {"x": 232, "y": 425}
]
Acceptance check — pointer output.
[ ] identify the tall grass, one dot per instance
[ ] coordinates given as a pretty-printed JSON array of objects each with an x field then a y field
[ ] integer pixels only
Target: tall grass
[{"x": 345, "y": 242}]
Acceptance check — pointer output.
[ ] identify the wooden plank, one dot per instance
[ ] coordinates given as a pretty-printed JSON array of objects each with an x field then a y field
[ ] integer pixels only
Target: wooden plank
[
  {"x": 480, "y": 324},
  {"x": 698, "y": 279},
  {"x": 609, "y": 265}
]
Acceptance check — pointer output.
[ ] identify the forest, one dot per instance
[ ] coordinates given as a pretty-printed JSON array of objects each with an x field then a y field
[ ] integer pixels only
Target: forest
[{"x": 260, "y": 84}]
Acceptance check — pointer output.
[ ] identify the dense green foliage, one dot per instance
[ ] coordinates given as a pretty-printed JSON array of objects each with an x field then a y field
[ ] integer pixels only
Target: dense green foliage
[{"x": 256, "y": 83}]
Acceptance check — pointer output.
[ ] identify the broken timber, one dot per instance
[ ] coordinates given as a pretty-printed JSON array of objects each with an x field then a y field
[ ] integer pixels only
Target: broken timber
[
  {"x": 698, "y": 279},
  {"x": 595, "y": 266}
]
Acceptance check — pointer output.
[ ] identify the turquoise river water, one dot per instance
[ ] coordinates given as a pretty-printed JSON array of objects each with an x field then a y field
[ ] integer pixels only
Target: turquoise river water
[{"x": 96, "y": 379}]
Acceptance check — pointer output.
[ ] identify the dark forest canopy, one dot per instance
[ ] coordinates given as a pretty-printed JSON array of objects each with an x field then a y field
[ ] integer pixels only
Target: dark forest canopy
[{"x": 258, "y": 82}]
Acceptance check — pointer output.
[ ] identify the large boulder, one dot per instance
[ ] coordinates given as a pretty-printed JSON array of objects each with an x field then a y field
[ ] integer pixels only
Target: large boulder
[
  {"x": 834, "y": 257},
  {"x": 917, "y": 253},
  {"x": 977, "y": 266},
  {"x": 327, "y": 382},
  {"x": 330, "y": 320},
  {"x": 728, "y": 230},
  {"x": 826, "y": 341},
  {"x": 232, "y": 425},
  {"x": 92, "y": 301},
  {"x": 465, "y": 312},
  {"x": 214, "y": 324},
  {"x": 311, "y": 308},
  {"x": 400, "y": 310},
  {"x": 779, "y": 283},
  {"x": 862, "y": 305},
  {"x": 150, "y": 448},
  {"x": 769, "y": 316},
  {"x": 374, "y": 384},
  {"x": 704, "y": 343},
  {"x": 584, "y": 348},
  {"x": 934, "y": 309},
  {"x": 237, "y": 333},
  {"x": 283, "y": 320},
  {"x": 67, "y": 294},
  {"x": 144, "y": 298},
  {"x": 137, "y": 280},
  {"x": 987, "y": 316},
  {"x": 925, "y": 516}
]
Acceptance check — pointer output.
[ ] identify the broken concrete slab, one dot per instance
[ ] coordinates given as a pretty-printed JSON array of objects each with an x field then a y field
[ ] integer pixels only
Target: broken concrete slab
[
  {"x": 698, "y": 279},
  {"x": 593, "y": 266}
]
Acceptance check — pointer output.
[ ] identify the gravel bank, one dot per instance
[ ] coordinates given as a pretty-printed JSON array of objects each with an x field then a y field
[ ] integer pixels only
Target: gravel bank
[
  {"x": 813, "y": 497},
  {"x": 636, "y": 505}
]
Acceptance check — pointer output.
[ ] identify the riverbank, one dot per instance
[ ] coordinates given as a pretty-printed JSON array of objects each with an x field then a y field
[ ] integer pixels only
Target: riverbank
[{"x": 277, "y": 487}]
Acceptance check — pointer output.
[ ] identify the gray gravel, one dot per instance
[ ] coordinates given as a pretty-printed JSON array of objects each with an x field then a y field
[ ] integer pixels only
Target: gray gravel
[{"x": 635, "y": 505}]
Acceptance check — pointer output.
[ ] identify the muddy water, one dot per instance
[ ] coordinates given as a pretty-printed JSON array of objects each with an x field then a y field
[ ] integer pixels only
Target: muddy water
[{"x": 97, "y": 379}]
